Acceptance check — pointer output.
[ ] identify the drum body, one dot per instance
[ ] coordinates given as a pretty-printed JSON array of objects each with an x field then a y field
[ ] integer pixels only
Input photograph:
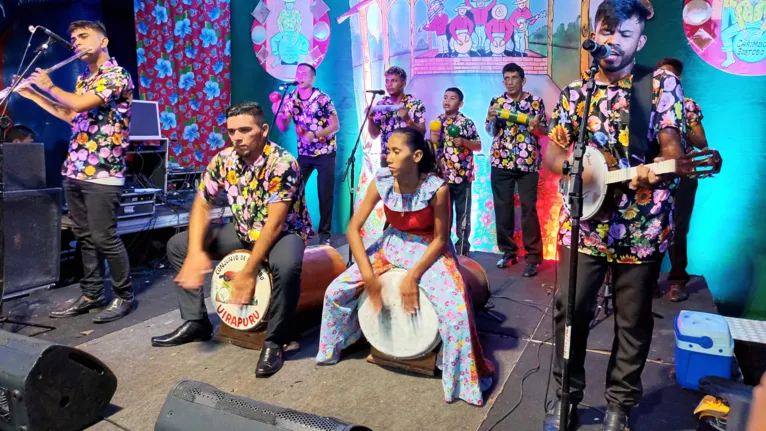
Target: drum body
[
  {"x": 476, "y": 281},
  {"x": 393, "y": 332},
  {"x": 593, "y": 192}
]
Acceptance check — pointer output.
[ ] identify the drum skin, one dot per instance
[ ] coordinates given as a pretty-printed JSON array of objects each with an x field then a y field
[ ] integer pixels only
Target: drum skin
[{"x": 476, "y": 280}]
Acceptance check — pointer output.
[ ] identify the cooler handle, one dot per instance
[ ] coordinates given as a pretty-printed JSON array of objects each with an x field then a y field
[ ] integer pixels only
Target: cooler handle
[{"x": 704, "y": 342}]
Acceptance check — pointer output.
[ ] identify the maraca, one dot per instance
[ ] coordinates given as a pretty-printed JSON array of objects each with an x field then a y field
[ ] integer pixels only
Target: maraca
[
  {"x": 435, "y": 126},
  {"x": 513, "y": 117},
  {"x": 453, "y": 131},
  {"x": 274, "y": 96}
]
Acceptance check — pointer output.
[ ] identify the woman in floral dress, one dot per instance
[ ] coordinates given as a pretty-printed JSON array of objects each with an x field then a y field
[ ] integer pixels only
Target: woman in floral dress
[{"x": 416, "y": 203}]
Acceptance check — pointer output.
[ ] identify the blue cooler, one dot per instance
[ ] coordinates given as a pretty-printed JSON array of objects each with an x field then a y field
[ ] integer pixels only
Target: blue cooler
[{"x": 704, "y": 347}]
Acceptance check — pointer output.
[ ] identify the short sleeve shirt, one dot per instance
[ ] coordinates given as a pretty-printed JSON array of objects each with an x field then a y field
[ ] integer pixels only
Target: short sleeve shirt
[
  {"x": 312, "y": 115},
  {"x": 389, "y": 121}
]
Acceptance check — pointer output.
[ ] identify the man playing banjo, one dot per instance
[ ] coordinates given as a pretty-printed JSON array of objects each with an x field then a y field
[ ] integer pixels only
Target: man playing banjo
[{"x": 263, "y": 186}]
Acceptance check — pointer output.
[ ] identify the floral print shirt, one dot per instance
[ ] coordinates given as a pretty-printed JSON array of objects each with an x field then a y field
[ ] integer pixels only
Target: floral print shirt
[
  {"x": 312, "y": 115},
  {"x": 274, "y": 177},
  {"x": 457, "y": 162},
  {"x": 100, "y": 136},
  {"x": 388, "y": 121},
  {"x": 693, "y": 115},
  {"x": 640, "y": 230},
  {"x": 514, "y": 146}
]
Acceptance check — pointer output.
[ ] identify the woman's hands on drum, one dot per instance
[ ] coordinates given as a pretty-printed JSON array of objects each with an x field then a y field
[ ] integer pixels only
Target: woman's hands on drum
[
  {"x": 409, "y": 292},
  {"x": 242, "y": 288},
  {"x": 373, "y": 287},
  {"x": 192, "y": 273}
]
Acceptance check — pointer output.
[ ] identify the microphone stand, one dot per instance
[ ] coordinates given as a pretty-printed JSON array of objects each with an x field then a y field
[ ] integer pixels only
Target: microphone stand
[
  {"x": 284, "y": 87},
  {"x": 5, "y": 123},
  {"x": 575, "y": 214},
  {"x": 350, "y": 167}
]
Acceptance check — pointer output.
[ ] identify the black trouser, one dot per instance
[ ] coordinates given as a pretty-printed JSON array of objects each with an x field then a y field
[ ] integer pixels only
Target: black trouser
[
  {"x": 633, "y": 324},
  {"x": 460, "y": 196},
  {"x": 325, "y": 167},
  {"x": 285, "y": 261},
  {"x": 682, "y": 216},
  {"x": 93, "y": 210},
  {"x": 503, "y": 187}
]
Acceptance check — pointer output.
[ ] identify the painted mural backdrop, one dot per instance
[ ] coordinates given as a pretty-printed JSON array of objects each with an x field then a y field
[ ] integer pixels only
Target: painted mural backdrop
[
  {"x": 184, "y": 58},
  {"x": 286, "y": 33},
  {"x": 728, "y": 34},
  {"x": 466, "y": 43}
]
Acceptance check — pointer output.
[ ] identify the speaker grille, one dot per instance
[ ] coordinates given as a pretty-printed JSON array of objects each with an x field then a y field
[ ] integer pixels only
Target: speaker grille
[{"x": 5, "y": 405}]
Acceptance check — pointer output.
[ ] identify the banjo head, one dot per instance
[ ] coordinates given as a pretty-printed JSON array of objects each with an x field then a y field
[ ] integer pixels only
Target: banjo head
[
  {"x": 392, "y": 331},
  {"x": 594, "y": 192},
  {"x": 241, "y": 317}
]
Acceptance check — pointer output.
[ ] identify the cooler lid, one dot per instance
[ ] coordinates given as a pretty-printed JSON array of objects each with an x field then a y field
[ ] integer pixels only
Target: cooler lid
[{"x": 703, "y": 332}]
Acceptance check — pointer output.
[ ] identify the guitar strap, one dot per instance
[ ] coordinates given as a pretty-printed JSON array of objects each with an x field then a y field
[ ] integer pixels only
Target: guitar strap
[{"x": 640, "y": 150}]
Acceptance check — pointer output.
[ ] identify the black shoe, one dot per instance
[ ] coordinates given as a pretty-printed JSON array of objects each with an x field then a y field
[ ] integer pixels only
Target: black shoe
[
  {"x": 552, "y": 421},
  {"x": 80, "y": 306},
  {"x": 616, "y": 419},
  {"x": 118, "y": 309},
  {"x": 678, "y": 292},
  {"x": 324, "y": 240},
  {"x": 191, "y": 330},
  {"x": 507, "y": 261},
  {"x": 530, "y": 270},
  {"x": 270, "y": 361}
]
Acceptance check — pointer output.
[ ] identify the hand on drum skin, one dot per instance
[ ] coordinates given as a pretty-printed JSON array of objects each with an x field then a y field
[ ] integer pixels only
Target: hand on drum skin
[
  {"x": 242, "y": 288},
  {"x": 192, "y": 273},
  {"x": 373, "y": 287},
  {"x": 645, "y": 178},
  {"x": 409, "y": 292}
]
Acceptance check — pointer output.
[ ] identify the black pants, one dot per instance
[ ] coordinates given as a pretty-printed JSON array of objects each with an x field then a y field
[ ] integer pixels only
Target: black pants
[
  {"x": 633, "y": 324},
  {"x": 504, "y": 182},
  {"x": 460, "y": 195},
  {"x": 93, "y": 210},
  {"x": 682, "y": 216},
  {"x": 325, "y": 167},
  {"x": 285, "y": 262}
]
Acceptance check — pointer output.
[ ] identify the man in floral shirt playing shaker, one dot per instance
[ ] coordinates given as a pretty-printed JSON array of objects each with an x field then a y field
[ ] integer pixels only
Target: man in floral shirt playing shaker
[
  {"x": 99, "y": 111},
  {"x": 455, "y": 142},
  {"x": 316, "y": 123}
]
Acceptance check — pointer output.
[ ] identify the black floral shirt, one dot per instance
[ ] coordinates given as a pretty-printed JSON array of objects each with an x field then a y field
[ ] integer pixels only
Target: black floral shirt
[
  {"x": 514, "y": 146},
  {"x": 693, "y": 115},
  {"x": 457, "y": 162},
  {"x": 388, "y": 121},
  {"x": 274, "y": 177},
  {"x": 312, "y": 115},
  {"x": 641, "y": 228},
  {"x": 100, "y": 136}
]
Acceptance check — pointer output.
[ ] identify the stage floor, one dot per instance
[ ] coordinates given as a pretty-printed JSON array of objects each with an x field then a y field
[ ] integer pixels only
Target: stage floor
[{"x": 359, "y": 392}]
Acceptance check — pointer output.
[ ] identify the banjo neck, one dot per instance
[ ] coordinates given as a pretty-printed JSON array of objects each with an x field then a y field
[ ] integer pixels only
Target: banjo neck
[{"x": 627, "y": 174}]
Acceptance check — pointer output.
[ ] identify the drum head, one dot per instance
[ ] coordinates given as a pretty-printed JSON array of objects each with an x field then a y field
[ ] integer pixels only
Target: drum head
[
  {"x": 595, "y": 192},
  {"x": 242, "y": 317},
  {"x": 392, "y": 331}
]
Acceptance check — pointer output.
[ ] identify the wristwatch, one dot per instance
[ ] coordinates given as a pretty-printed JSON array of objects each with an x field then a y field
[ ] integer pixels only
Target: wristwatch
[{"x": 566, "y": 168}]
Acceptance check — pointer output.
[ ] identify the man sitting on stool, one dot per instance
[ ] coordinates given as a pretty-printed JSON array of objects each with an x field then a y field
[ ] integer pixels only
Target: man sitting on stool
[{"x": 262, "y": 183}]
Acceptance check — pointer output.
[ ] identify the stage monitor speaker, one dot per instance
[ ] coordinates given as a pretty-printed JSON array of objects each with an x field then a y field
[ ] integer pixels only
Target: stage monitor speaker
[
  {"x": 32, "y": 237},
  {"x": 197, "y": 406},
  {"x": 24, "y": 166},
  {"x": 45, "y": 386}
]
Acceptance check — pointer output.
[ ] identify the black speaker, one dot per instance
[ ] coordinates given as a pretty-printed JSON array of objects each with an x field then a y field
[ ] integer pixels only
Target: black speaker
[
  {"x": 32, "y": 237},
  {"x": 45, "y": 386},
  {"x": 24, "y": 166},
  {"x": 193, "y": 406}
]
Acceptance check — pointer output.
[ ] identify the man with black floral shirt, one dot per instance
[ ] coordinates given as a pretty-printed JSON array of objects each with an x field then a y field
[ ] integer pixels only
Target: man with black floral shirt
[{"x": 631, "y": 240}]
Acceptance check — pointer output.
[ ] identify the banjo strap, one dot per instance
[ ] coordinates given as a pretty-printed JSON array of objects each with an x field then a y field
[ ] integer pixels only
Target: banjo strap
[{"x": 640, "y": 150}]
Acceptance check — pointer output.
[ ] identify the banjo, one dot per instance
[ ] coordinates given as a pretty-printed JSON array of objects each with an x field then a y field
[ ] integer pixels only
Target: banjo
[{"x": 604, "y": 173}]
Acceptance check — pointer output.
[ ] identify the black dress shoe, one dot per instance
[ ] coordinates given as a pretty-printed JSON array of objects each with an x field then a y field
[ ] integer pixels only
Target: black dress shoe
[
  {"x": 530, "y": 270},
  {"x": 80, "y": 306},
  {"x": 552, "y": 420},
  {"x": 270, "y": 361},
  {"x": 616, "y": 419},
  {"x": 189, "y": 331},
  {"x": 118, "y": 309},
  {"x": 507, "y": 261}
]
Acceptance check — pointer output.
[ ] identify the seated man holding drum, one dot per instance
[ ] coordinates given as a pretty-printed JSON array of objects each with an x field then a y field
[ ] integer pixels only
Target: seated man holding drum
[
  {"x": 262, "y": 184},
  {"x": 416, "y": 201}
]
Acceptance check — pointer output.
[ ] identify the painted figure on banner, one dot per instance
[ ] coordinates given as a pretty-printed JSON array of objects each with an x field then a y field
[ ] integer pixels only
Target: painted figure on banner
[
  {"x": 521, "y": 19},
  {"x": 480, "y": 14},
  {"x": 437, "y": 23},
  {"x": 460, "y": 29}
]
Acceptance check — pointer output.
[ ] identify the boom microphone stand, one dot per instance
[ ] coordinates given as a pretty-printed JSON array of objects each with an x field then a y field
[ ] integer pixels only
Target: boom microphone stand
[
  {"x": 284, "y": 88},
  {"x": 350, "y": 167},
  {"x": 575, "y": 213}
]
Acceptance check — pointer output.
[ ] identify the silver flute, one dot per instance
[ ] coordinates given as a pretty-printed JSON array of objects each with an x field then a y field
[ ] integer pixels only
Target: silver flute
[{"x": 26, "y": 82}]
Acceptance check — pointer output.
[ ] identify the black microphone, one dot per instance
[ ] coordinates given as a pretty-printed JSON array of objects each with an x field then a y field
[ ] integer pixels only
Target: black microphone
[
  {"x": 56, "y": 38},
  {"x": 288, "y": 84},
  {"x": 378, "y": 92},
  {"x": 596, "y": 50}
]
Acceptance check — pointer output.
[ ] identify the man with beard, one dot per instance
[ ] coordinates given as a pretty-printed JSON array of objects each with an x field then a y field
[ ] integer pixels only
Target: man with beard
[
  {"x": 631, "y": 241},
  {"x": 262, "y": 183}
]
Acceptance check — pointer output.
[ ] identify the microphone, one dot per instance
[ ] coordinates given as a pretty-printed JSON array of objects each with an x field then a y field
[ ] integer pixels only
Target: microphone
[
  {"x": 56, "y": 38},
  {"x": 596, "y": 50},
  {"x": 378, "y": 92},
  {"x": 288, "y": 84}
]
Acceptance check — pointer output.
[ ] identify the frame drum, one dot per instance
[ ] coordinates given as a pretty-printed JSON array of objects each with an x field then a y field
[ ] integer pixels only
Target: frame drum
[
  {"x": 242, "y": 317},
  {"x": 393, "y": 332}
]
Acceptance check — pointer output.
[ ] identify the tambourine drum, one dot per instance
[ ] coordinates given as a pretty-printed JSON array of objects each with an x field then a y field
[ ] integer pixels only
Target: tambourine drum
[
  {"x": 476, "y": 281},
  {"x": 321, "y": 265},
  {"x": 393, "y": 332}
]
